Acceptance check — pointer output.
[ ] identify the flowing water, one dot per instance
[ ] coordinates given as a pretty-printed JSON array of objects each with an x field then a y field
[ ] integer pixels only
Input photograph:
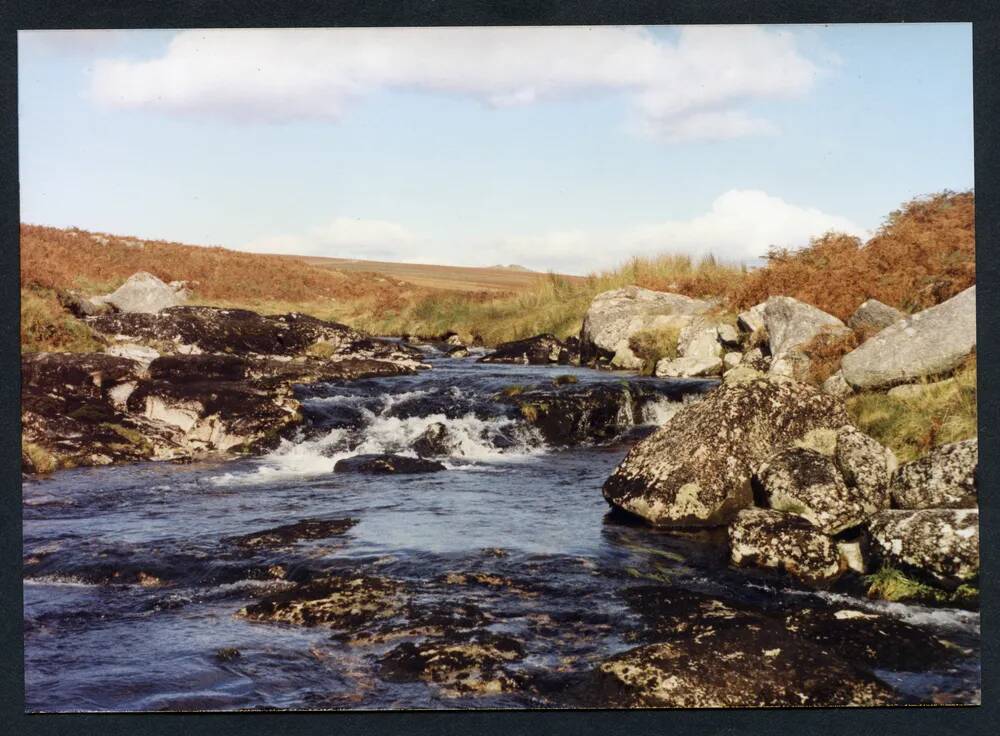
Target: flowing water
[{"x": 133, "y": 581}]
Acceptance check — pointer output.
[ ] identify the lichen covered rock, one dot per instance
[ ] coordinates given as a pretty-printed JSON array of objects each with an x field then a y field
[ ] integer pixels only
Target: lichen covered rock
[
  {"x": 784, "y": 542},
  {"x": 866, "y": 465},
  {"x": 336, "y": 601},
  {"x": 944, "y": 478},
  {"x": 696, "y": 469},
  {"x": 941, "y": 544}
]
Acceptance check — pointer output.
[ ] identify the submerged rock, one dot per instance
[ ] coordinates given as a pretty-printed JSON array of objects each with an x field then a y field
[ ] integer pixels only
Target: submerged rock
[
  {"x": 942, "y": 544},
  {"x": 614, "y": 316},
  {"x": 337, "y": 602},
  {"x": 288, "y": 534},
  {"x": 435, "y": 441},
  {"x": 712, "y": 654},
  {"x": 537, "y": 350},
  {"x": 944, "y": 478},
  {"x": 457, "y": 664},
  {"x": 696, "y": 470},
  {"x": 928, "y": 343},
  {"x": 806, "y": 483},
  {"x": 784, "y": 542},
  {"x": 386, "y": 464}
]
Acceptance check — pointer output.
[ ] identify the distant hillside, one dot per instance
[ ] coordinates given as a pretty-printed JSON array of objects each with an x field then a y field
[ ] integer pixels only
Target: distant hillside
[{"x": 453, "y": 278}]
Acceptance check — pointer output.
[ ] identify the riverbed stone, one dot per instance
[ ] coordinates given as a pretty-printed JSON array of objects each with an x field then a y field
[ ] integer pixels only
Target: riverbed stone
[
  {"x": 386, "y": 464},
  {"x": 340, "y": 602},
  {"x": 944, "y": 478},
  {"x": 435, "y": 441},
  {"x": 928, "y": 343},
  {"x": 614, "y": 316},
  {"x": 942, "y": 544},
  {"x": 784, "y": 542},
  {"x": 696, "y": 470},
  {"x": 806, "y": 483},
  {"x": 288, "y": 534},
  {"x": 791, "y": 325}
]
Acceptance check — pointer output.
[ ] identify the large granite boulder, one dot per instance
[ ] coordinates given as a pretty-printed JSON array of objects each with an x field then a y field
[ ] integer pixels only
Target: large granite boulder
[
  {"x": 928, "y": 343},
  {"x": 784, "y": 542},
  {"x": 537, "y": 350},
  {"x": 873, "y": 316},
  {"x": 614, "y": 316},
  {"x": 942, "y": 544},
  {"x": 806, "y": 483},
  {"x": 143, "y": 293},
  {"x": 944, "y": 478},
  {"x": 696, "y": 469},
  {"x": 791, "y": 325},
  {"x": 865, "y": 465}
]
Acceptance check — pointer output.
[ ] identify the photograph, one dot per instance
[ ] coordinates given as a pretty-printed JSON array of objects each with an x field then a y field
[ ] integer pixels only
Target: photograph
[{"x": 522, "y": 367}]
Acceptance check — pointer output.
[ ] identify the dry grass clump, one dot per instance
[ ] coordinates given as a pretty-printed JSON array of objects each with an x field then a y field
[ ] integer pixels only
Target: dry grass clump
[
  {"x": 825, "y": 351},
  {"x": 924, "y": 253},
  {"x": 47, "y": 327},
  {"x": 944, "y": 412},
  {"x": 653, "y": 345}
]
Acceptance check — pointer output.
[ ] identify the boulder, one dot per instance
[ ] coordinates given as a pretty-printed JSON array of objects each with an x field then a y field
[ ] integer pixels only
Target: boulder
[
  {"x": 614, "y": 316},
  {"x": 688, "y": 367},
  {"x": 944, "y": 478},
  {"x": 751, "y": 320},
  {"x": 435, "y": 441},
  {"x": 144, "y": 293},
  {"x": 835, "y": 385},
  {"x": 284, "y": 536},
  {"x": 806, "y": 483},
  {"x": 339, "y": 602},
  {"x": 537, "y": 350},
  {"x": 731, "y": 360},
  {"x": 873, "y": 316},
  {"x": 699, "y": 341},
  {"x": 784, "y": 542},
  {"x": 928, "y": 343},
  {"x": 865, "y": 465},
  {"x": 729, "y": 336},
  {"x": 791, "y": 325},
  {"x": 696, "y": 469},
  {"x": 386, "y": 464},
  {"x": 942, "y": 544},
  {"x": 756, "y": 359}
]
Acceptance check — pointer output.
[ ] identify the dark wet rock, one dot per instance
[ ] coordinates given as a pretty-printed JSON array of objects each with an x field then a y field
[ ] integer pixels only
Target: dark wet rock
[
  {"x": 288, "y": 534},
  {"x": 873, "y": 639},
  {"x": 711, "y": 653},
  {"x": 944, "y": 478},
  {"x": 866, "y": 465},
  {"x": 806, "y": 483},
  {"x": 784, "y": 542},
  {"x": 939, "y": 544},
  {"x": 457, "y": 664},
  {"x": 435, "y": 441},
  {"x": 575, "y": 413},
  {"x": 227, "y": 654},
  {"x": 459, "y": 351},
  {"x": 386, "y": 464},
  {"x": 337, "y": 602},
  {"x": 537, "y": 350},
  {"x": 696, "y": 469}
]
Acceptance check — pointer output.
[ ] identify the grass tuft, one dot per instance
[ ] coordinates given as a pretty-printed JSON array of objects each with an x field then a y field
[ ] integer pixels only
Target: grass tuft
[
  {"x": 891, "y": 584},
  {"x": 653, "y": 345},
  {"x": 47, "y": 327}
]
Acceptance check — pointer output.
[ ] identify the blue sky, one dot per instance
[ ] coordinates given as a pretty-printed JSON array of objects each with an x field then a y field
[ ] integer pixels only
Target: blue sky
[{"x": 570, "y": 149}]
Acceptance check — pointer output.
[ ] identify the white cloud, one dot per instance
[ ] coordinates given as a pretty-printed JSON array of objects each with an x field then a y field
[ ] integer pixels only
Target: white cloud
[
  {"x": 690, "y": 87},
  {"x": 740, "y": 226},
  {"x": 345, "y": 237}
]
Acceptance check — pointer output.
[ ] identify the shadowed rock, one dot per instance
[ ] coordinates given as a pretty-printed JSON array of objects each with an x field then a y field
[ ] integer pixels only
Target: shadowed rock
[
  {"x": 537, "y": 350},
  {"x": 435, "y": 441},
  {"x": 386, "y": 465},
  {"x": 288, "y": 534}
]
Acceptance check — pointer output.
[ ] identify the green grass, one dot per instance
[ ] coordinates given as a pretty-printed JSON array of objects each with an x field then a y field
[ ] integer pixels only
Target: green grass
[
  {"x": 891, "y": 584},
  {"x": 47, "y": 327},
  {"x": 41, "y": 459},
  {"x": 912, "y": 426}
]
